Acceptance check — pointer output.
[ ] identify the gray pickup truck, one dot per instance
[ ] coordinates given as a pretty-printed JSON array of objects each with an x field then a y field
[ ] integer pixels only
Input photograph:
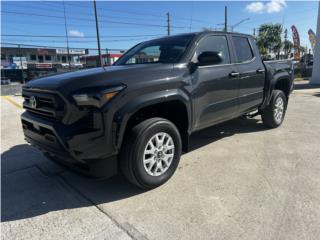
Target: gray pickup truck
[{"x": 137, "y": 115}]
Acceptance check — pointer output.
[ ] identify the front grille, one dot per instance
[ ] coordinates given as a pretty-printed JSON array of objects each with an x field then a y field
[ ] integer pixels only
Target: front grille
[{"x": 44, "y": 104}]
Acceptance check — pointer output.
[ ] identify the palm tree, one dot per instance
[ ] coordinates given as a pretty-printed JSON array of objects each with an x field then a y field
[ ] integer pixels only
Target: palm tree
[
  {"x": 287, "y": 47},
  {"x": 269, "y": 38}
]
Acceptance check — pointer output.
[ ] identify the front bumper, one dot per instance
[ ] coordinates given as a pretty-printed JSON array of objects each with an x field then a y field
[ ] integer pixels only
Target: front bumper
[{"x": 90, "y": 152}]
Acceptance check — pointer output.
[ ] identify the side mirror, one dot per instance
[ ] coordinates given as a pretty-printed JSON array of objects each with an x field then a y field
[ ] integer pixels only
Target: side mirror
[
  {"x": 209, "y": 58},
  {"x": 192, "y": 67}
]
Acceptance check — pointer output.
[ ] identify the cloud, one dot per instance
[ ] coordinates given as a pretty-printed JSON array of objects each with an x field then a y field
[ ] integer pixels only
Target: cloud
[
  {"x": 275, "y": 6},
  {"x": 255, "y": 7},
  {"x": 272, "y": 6},
  {"x": 76, "y": 33}
]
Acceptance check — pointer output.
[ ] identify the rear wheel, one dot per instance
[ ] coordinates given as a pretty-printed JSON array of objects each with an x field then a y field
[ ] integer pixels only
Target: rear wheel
[
  {"x": 273, "y": 114},
  {"x": 151, "y": 153}
]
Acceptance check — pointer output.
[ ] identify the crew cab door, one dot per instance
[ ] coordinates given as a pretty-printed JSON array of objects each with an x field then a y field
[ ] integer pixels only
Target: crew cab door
[
  {"x": 215, "y": 86},
  {"x": 251, "y": 73}
]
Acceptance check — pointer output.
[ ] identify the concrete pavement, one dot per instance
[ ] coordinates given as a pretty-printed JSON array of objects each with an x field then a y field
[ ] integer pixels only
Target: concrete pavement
[{"x": 241, "y": 181}]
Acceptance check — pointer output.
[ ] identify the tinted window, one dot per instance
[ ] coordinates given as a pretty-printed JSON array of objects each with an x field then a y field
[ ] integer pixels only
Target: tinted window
[
  {"x": 242, "y": 48},
  {"x": 147, "y": 55},
  {"x": 33, "y": 57},
  {"x": 40, "y": 58},
  {"x": 215, "y": 44},
  {"x": 163, "y": 50}
]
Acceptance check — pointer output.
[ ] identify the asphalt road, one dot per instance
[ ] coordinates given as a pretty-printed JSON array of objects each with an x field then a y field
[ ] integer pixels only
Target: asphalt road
[{"x": 240, "y": 181}]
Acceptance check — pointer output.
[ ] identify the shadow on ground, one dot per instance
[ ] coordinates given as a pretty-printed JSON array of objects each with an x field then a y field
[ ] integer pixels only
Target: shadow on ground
[
  {"x": 305, "y": 85},
  {"x": 34, "y": 190},
  {"x": 316, "y": 94}
]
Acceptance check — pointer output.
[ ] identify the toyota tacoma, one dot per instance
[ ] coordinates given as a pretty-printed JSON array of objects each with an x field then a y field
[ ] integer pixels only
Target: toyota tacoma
[{"x": 136, "y": 116}]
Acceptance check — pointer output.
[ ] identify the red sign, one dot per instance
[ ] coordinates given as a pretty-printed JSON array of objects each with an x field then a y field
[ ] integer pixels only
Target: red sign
[
  {"x": 43, "y": 65},
  {"x": 296, "y": 42},
  {"x": 42, "y": 51}
]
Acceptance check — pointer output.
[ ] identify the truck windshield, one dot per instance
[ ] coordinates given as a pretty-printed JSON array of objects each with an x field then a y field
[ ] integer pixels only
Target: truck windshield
[{"x": 164, "y": 50}]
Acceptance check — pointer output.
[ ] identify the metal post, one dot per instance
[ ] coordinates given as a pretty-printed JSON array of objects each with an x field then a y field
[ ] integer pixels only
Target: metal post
[
  {"x": 225, "y": 19},
  {"x": 98, "y": 36},
  {"x": 168, "y": 23},
  {"x": 67, "y": 37},
  {"x": 108, "y": 59},
  {"x": 316, "y": 62},
  {"x": 23, "y": 81}
]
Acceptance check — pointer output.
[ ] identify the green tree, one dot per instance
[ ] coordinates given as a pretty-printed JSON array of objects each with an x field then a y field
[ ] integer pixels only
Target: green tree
[
  {"x": 303, "y": 50},
  {"x": 269, "y": 39},
  {"x": 287, "y": 47}
]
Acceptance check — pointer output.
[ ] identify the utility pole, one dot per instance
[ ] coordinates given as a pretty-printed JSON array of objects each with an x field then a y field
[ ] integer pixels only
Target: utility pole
[
  {"x": 98, "y": 36},
  {"x": 225, "y": 19},
  {"x": 285, "y": 42},
  {"x": 20, "y": 55},
  {"x": 108, "y": 58},
  {"x": 254, "y": 32},
  {"x": 316, "y": 55},
  {"x": 286, "y": 34},
  {"x": 168, "y": 23},
  {"x": 67, "y": 37}
]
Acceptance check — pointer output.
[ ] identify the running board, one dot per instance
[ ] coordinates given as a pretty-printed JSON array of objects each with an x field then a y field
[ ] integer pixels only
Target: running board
[{"x": 252, "y": 115}]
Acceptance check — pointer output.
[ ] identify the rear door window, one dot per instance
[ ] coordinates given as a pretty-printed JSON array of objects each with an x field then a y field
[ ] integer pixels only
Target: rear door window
[{"x": 242, "y": 48}]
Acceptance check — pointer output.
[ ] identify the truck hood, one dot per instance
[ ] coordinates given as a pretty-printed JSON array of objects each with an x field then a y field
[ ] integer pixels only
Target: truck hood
[{"x": 102, "y": 76}]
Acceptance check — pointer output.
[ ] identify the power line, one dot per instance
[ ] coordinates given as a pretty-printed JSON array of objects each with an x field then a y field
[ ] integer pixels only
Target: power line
[
  {"x": 70, "y": 24},
  {"x": 70, "y": 19},
  {"x": 82, "y": 12},
  {"x": 61, "y": 36},
  {"x": 121, "y": 11},
  {"x": 126, "y": 12},
  {"x": 86, "y": 19},
  {"x": 82, "y": 41},
  {"x": 46, "y": 46}
]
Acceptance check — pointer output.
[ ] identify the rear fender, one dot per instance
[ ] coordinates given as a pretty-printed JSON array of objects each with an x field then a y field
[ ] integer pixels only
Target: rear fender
[{"x": 270, "y": 85}]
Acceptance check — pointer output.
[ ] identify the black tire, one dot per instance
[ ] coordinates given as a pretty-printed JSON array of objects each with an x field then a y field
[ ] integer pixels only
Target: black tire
[
  {"x": 133, "y": 150},
  {"x": 268, "y": 115}
]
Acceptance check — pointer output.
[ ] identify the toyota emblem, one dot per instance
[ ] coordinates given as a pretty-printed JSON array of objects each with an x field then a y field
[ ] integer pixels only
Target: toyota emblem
[{"x": 33, "y": 102}]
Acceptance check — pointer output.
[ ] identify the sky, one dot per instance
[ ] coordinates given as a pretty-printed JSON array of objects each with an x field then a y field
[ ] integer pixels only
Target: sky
[{"x": 124, "y": 24}]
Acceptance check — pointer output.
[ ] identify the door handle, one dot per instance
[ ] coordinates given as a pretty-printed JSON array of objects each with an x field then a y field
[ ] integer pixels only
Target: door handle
[
  {"x": 260, "y": 71},
  {"x": 234, "y": 74}
]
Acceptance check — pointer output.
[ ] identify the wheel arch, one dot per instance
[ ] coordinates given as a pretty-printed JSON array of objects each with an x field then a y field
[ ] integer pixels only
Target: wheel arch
[
  {"x": 280, "y": 81},
  {"x": 173, "y": 105}
]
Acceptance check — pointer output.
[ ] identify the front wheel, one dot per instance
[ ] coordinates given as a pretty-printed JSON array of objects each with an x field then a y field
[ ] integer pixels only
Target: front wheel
[
  {"x": 151, "y": 153},
  {"x": 273, "y": 114}
]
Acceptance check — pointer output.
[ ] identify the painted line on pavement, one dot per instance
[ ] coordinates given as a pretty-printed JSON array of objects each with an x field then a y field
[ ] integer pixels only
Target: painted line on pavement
[{"x": 9, "y": 99}]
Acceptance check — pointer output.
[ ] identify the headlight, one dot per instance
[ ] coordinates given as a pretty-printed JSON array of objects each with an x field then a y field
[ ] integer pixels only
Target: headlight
[{"x": 92, "y": 97}]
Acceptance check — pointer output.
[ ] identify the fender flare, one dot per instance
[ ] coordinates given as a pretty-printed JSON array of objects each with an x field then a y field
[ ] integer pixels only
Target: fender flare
[
  {"x": 270, "y": 86},
  {"x": 123, "y": 115}
]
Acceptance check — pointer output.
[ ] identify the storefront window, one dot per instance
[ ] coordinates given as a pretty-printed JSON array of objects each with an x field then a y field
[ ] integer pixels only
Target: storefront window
[{"x": 33, "y": 57}]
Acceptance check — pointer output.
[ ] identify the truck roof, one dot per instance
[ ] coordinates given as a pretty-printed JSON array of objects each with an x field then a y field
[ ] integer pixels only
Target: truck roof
[
  {"x": 221, "y": 32},
  {"x": 203, "y": 33}
]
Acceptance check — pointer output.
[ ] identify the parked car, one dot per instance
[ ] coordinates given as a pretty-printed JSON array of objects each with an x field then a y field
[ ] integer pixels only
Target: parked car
[
  {"x": 5, "y": 80},
  {"x": 137, "y": 115}
]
